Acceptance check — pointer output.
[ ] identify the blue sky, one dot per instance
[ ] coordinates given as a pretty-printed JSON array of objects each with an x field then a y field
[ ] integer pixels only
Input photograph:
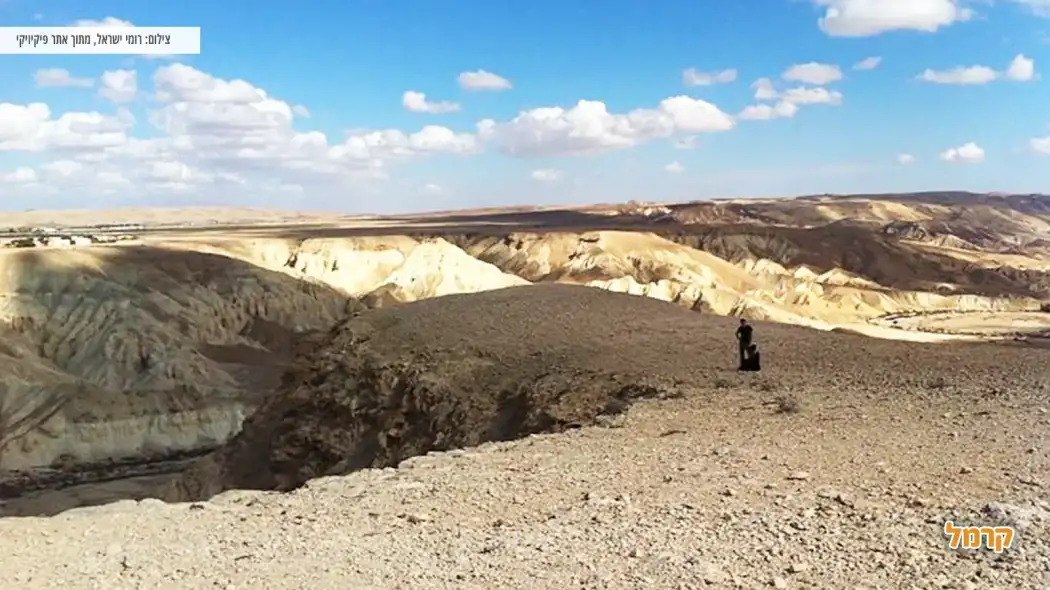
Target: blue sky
[{"x": 320, "y": 120}]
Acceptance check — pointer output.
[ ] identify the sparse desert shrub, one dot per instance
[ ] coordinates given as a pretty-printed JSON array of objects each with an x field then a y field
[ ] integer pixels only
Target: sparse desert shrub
[
  {"x": 722, "y": 383},
  {"x": 787, "y": 404}
]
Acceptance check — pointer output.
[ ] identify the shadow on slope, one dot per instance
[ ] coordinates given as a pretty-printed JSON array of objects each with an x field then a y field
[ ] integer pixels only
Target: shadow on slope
[
  {"x": 461, "y": 370},
  {"x": 883, "y": 260},
  {"x": 119, "y": 361}
]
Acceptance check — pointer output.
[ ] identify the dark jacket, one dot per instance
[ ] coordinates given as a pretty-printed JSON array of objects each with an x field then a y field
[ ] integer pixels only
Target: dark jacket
[{"x": 752, "y": 363}]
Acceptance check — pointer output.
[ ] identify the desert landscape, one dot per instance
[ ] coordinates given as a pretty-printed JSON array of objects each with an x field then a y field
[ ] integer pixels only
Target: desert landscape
[{"x": 529, "y": 397}]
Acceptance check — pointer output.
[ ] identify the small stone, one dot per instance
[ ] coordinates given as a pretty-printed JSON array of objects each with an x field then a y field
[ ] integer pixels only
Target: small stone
[
  {"x": 729, "y": 492},
  {"x": 779, "y": 583},
  {"x": 417, "y": 518},
  {"x": 966, "y": 470},
  {"x": 798, "y": 475},
  {"x": 798, "y": 567}
]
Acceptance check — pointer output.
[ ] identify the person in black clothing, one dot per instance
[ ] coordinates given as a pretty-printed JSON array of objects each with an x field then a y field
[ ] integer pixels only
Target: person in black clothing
[
  {"x": 743, "y": 340},
  {"x": 752, "y": 361}
]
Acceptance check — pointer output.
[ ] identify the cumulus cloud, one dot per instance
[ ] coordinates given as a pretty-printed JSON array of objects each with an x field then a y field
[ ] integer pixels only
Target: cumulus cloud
[
  {"x": 788, "y": 101},
  {"x": 765, "y": 112},
  {"x": 973, "y": 75},
  {"x": 209, "y": 135},
  {"x": 1040, "y": 145},
  {"x": 58, "y": 77},
  {"x": 814, "y": 73},
  {"x": 547, "y": 175},
  {"x": 868, "y": 63},
  {"x": 968, "y": 153},
  {"x": 119, "y": 86},
  {"x": 417, "y": 103},
  {"x": 483, "y": 80},
  {"x": 674, "y": 167},
  {"x": 801, "y": 95},
  {"x": 31, "y": 128},
  {"x": 764, "y": 89},
  {"x": 589, "y": 127},
  {"x": 905, "y": 159},
  {"x": 866, "y": 18},
  {"x": 693, "y": 77},
  {"x": 1021, "y": 69}
]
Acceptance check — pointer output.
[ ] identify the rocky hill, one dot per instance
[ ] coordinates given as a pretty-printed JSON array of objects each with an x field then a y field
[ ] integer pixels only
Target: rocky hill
[{"x": 150, "y": 350}]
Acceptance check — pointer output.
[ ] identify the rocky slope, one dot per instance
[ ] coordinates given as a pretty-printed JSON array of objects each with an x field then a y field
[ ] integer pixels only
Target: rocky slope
[
  {"x": 151, "y": 349},
  {"x": 159, "y": 348},
  {"x": 781, "y": 480},
  {"x": 457, "y": 371}
]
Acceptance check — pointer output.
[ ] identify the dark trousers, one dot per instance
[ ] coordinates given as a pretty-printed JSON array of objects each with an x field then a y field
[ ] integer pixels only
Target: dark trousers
[{"x": 743, "y": 351}]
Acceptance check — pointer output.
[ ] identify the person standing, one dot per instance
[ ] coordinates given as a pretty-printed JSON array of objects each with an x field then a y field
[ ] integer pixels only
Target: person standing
[{"x": 743, "y": 339}]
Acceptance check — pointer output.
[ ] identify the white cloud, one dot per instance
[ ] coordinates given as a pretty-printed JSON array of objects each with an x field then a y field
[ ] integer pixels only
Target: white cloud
[
  {"x": 802, "y": 95},
  {"x": 788, "y": 101},
  {"x": 692, "y": 77},
  {"x": 905, "y": 159},
  {"x": 301, "y": 111},
  {"x": 971, "y": 75},
  {"x": 109, "y": 21},
  {"x": 119, "y": 86},
  {"x": 674, "y": 167},
  {"x": 868, "y": 63},
  {"x": 1040, "y": 145},
  {"x": 589, "y": 127},
  {"x": 765, "y": 112},
  {"x": 433, "y": 188},
  {"x": 483, "y": 80},
  {"x": 865, "y": 18},
  {"x": 814, "y": 73},
  {"x": 21, "y": 175},
  {"x": 30, "y": 128},
  {"x": 58, "y": 77},
  {"x": 690, "y": 142},
  {"x": 209, "y": 136},
  {"x": 969, "y": 153},
  {"x": 547, "y": 175},
  {"x": 62, "y": 167},
  {"x": 417, "y": 103},
  {"x": 764, "y": 90},
  {"x": 1021, "y": 69}
]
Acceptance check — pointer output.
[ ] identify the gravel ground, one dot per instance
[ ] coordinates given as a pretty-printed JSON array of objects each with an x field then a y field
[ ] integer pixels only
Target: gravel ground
[
  {"x": 835, "y": 468},
  {"x": 722, "y": 491}
]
